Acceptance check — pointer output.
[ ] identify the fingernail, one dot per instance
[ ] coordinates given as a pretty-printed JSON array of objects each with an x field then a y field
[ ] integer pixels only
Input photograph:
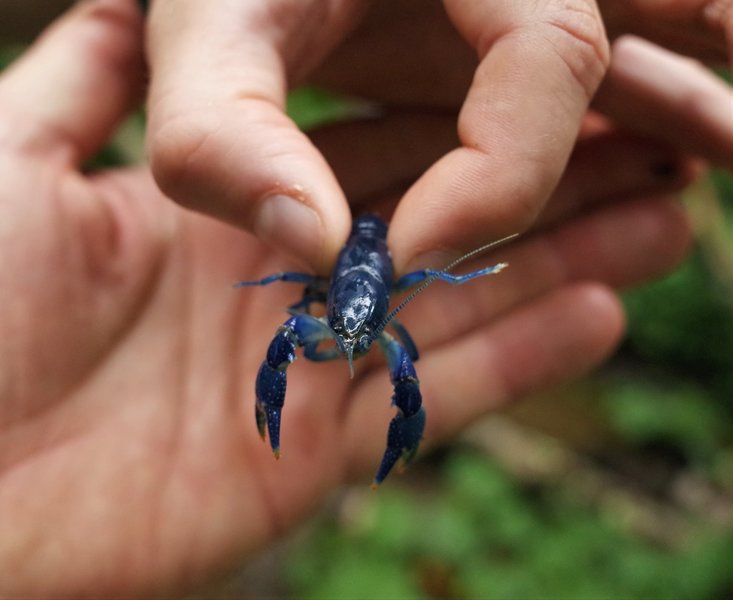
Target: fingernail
[{"x": 288, "y": 223}]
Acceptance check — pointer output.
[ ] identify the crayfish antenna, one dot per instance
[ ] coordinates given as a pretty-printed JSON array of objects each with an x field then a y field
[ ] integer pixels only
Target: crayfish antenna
[{"x": 431, "y": 278}]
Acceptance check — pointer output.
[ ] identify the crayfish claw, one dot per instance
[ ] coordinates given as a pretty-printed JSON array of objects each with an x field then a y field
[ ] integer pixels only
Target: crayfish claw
[
  {"x": 299, "y": 330},
  {"x": 390, "y": 458},
  {"x": 403, "y": 440},
  {"x": 273, "y": 429},
  {"x": 406, "y": 428},
  {"x": 268, "y": 424},
  {"x": 270, "y": 390}
]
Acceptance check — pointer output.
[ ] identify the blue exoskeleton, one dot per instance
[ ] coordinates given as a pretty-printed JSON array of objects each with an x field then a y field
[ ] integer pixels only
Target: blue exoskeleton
[{"x": 357, "y": 312}]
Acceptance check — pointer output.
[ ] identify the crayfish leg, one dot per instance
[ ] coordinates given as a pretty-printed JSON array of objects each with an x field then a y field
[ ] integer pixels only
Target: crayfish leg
[
  {"x": 271, "y": 384},
  {"x": 407, "y": 426},
  {"x": 406, "y": 339},
  {"x": 403, "y": 440},
  {"x": 286, "y": 276},
  {"x": 411, "y": 279}
]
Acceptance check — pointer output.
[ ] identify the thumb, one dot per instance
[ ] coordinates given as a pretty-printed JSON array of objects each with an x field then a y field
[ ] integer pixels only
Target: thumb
[{"x": 219, "y": 139}]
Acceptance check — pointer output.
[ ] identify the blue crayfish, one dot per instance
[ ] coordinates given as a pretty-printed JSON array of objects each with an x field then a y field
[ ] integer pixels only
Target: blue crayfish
[{"x": 357, "y": 312}]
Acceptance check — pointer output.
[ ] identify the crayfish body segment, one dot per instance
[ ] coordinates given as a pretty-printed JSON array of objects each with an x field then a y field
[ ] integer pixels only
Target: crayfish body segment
[{"x": 357, "y": 304}]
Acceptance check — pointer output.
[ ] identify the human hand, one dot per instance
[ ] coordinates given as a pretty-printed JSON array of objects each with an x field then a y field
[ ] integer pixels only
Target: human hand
[
  {"x": 129, "y": 459},
  {"x": 405, "y": 47},
  {"x": 220, "y": 142}
]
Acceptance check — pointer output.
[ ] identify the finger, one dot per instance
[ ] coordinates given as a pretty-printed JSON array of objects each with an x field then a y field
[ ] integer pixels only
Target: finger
[
  {"x": 657, "y": 93},
  {"x": 541, "y": 63},
  {"x": 619, "y": 245},
  {"x": 542, "y": 343},
  {"x": 376, "y": 160},
  {"x": 685, "y": 26},
  {"x": 65, "y": 96},
  {"x": 612, "y": 166},
  {"x": 219, "y": 139},
  {"x": 552, "y": 339}
]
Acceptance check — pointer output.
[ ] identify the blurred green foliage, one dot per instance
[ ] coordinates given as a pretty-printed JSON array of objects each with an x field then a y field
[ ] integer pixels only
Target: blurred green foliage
[
  {"x": 310, "y": 107},
  {"x": 683, "y": 326},
  {"x": 8, "y": 53},
  {"x": 683, "y": 415},
  {"x": 480, "y": 535}
]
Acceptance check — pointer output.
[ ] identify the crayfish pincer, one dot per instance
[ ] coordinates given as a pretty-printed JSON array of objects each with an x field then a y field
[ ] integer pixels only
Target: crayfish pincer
[{"x": 357, "y": 311}]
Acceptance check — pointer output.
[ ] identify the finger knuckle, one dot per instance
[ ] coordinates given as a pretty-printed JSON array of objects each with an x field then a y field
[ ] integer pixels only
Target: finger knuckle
[
  {"x": 179, "y": 150},
  {"x": 575, "y": 31}
]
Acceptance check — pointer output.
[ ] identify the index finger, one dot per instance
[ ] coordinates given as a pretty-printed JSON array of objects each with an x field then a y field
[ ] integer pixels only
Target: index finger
[
  {"x": 218, "y": 135},
  {"x": 541, "y": 62}
]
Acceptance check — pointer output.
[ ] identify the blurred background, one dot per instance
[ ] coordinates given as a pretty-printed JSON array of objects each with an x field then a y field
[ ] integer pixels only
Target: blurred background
[{"x": 619, "y": 485}]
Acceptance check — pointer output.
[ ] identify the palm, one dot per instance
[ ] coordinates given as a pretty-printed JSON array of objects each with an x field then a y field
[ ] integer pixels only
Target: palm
[
  {"x": 146, "y": 397},
  {"x": 145, "y": 406}
]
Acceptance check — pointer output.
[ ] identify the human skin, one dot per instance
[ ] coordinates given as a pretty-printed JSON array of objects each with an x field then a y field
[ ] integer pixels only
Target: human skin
[
  {"x": 647, "y": 89},
  {"x": 515, "y": 78},
  {"x": 130, "y": 464}
]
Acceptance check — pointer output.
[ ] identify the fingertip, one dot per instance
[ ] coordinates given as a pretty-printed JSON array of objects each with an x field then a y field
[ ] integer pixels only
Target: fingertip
[
  {"x": 288, "y": 222},
  {"x": 558, "y": 337},
  {"x": 598, "y": 325},
  {"x": 663, "y": 237},
  {"x": 603, "y": 313},
  {"x": 465, "y": 200},
  {"x": 589, "y": 322},
  {"x": 677, "y": 226},
  {"x": 249, "y": 165}
]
